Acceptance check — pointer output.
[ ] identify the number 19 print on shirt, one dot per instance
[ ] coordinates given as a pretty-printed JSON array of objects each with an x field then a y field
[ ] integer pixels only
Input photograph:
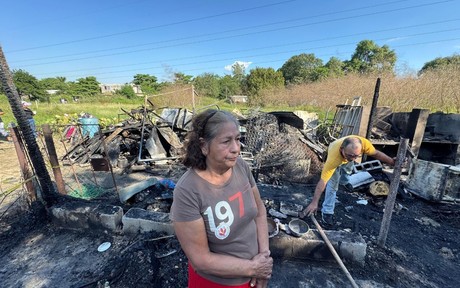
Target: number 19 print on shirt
[{"x": 226, "y": 215}]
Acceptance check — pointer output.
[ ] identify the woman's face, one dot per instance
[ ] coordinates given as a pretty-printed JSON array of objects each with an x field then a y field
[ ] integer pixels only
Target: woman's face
[{"x": 223, "y": 150}]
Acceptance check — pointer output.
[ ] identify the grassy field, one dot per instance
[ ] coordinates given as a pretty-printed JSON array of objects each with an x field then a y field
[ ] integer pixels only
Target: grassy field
[{"x": 437, "y": 91}]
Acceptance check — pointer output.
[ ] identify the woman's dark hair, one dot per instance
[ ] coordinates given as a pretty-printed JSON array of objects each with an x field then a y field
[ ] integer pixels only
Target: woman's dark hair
[{"x": 206, "y": 126}]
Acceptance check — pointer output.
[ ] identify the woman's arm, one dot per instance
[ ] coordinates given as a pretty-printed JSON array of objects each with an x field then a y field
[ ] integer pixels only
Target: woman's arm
[
  {"x": 261, "y": 222},
  {"x": 193, "y": 240},
  {"x": 262, "y": 236}
]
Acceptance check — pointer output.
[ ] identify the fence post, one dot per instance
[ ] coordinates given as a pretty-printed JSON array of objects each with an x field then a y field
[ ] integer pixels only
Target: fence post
[
  {"x": 53, "y": 158},
  {"x": 25, "y": 169},
  {"x": 390, "y": 202}
]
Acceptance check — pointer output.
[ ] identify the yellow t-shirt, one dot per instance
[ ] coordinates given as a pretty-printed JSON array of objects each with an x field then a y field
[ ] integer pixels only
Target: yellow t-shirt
[{"x": 335, "y": 158}]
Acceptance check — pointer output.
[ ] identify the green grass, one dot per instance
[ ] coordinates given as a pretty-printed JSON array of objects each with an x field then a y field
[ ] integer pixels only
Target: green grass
[
  {"x": 436, "y": 90},
  {"x": 48, "y": 112},
  {"x": 108, "y": 109}
]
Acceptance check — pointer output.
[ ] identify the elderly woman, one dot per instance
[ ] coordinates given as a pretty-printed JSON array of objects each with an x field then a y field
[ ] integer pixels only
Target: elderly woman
[{"x": 218, "y": 215}]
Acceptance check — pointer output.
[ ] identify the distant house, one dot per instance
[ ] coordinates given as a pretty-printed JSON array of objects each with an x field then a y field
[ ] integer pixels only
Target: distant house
[
  {"x": 112, "y": 88},
  {"x": 137, "y": 89},
  {"x": 52, "y": 92},
  {"x": 238, "y": 99}
]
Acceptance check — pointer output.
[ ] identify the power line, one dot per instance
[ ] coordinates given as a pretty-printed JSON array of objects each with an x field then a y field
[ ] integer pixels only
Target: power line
[
  {"x": 297, "y": 43},
  {"x": 234, "y": 36},
  {"x": 285, "y": 52},
  {"x": 233, "y": 30},
  {"x": 284, "y": 44},
  {"x": 152, "y": 27},
  {"x": 216, "y": 33},
  {"x": 329, "y": 54}
]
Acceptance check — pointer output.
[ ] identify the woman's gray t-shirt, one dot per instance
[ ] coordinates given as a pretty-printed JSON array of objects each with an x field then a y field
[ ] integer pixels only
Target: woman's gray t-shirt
[{"x": 228, "y": 212}]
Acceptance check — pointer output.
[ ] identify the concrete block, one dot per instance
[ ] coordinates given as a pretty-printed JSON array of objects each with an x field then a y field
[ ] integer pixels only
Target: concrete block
[
  {"x": 78, "y": 215},
  {"x": 138, "y": 220},
  {"x": 368, "y": 166},
  {"x": 348, "y": 245},
  {"x": 359, "y": 179}
]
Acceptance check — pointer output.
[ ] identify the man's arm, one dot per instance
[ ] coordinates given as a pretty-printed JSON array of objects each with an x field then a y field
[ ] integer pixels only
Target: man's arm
[
  {"x": 384, "y": 158},
  {"x": 313, "y": 206}
]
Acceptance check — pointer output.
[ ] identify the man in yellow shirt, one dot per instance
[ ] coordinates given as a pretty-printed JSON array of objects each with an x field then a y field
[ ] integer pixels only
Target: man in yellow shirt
[{"x": 341, "y": 156}]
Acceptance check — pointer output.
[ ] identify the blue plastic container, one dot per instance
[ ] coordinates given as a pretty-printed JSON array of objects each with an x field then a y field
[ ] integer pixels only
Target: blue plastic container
[{"x": 89, "y": 126}]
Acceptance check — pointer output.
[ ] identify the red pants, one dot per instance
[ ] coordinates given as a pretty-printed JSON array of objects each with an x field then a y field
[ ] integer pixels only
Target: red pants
[{"x": 196, "y": 281}]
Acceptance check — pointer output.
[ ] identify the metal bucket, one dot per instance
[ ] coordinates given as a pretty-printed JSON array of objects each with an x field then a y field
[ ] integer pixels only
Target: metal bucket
[{"x": 298, "y": 227}]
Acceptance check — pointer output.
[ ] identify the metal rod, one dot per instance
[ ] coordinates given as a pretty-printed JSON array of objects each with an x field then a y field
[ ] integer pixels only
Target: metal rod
[
  {"x": 108, "y": 161},
  {"x": 71, "y": 166}
]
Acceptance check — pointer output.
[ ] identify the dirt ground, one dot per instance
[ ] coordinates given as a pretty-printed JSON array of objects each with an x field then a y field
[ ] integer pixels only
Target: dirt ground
[{"x": 422, "y": 248}]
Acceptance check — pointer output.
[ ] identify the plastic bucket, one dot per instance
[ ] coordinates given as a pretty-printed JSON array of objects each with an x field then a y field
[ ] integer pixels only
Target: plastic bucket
[{"x": 89, "y": 126}]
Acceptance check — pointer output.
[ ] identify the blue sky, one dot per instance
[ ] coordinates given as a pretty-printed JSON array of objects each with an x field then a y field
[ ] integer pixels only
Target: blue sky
[{"x": 114, "y": 40}]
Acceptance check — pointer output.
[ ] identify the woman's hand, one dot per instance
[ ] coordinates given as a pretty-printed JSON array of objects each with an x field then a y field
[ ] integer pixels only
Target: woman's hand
[
  {"x": 263, "y": 265},
  {"x": 259, "y": 283}
]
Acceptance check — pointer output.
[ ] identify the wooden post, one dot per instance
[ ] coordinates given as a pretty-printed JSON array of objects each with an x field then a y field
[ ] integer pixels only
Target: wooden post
[
  {"x": 390, "y": 202},
  {"x": 375, "y": 99},
  {"x": 370, "y": 123},
  {"x": 416, "y": 128},
  {"x": 53, "y": 159},
  {"x": 24, "y": 166},
  {"x": 364, "y": 121}
]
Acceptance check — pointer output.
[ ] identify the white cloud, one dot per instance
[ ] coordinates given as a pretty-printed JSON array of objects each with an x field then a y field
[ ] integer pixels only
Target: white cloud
[{"x": 244, "y": 64}]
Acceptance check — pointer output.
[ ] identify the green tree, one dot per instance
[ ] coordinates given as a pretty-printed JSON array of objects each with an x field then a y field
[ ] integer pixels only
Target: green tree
[
  {"x": 126, "y": 91},
  {"x": 148, "y": 83},
  {"x": 441, "y": 62},
  {"x": 369, "y": 58},
  {"x": 207, "y": 84},
  {"x": 229, "y": 86},
  {"x": 181, "y": 78},
  {"x": 28, "y": 85},
  {"x": 238, "y": 72},
  {"x": 260, "y": 79},
  {"x": 335, "y": 67},
  {"x": 88, "y": 86},
  {"x": 301, "y": 69},
  {"x": 56, "y": 83}
]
